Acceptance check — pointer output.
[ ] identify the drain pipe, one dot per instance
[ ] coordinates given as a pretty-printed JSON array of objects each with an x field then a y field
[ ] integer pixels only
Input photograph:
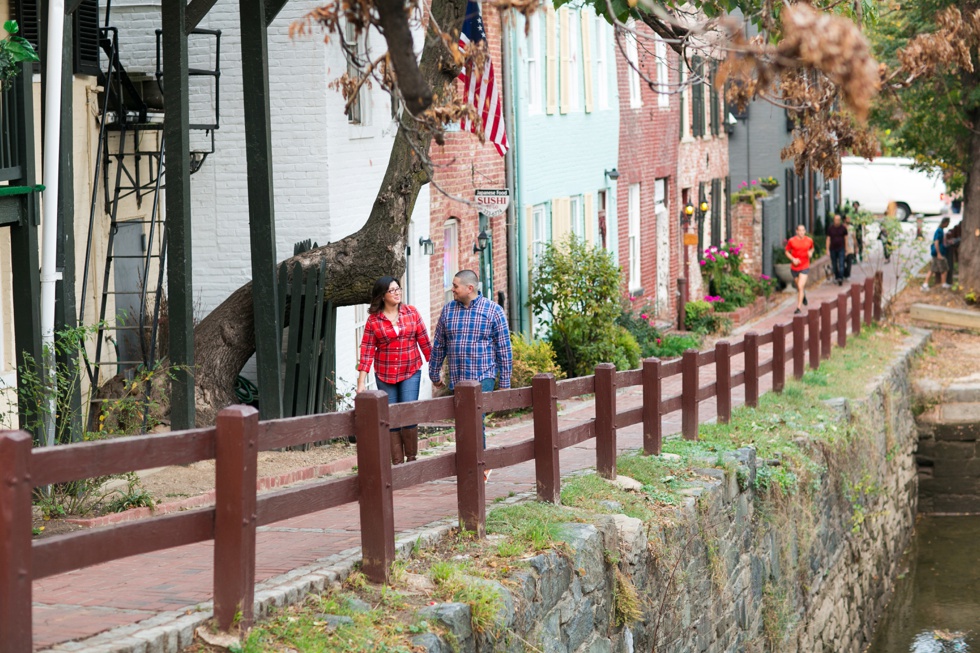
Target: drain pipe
[{"x": 49, "y": 205}]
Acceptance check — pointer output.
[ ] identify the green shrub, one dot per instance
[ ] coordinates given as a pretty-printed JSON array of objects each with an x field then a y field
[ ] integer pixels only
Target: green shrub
[
  {"x": 575, "y": 289},
  {"x": 736, "y": 289},
  {"x": 653, "y": 342},
  {"x": 532, "y": 357},
  {"x": 700, "y": 317},
  {"x": 779, "y": 254}
]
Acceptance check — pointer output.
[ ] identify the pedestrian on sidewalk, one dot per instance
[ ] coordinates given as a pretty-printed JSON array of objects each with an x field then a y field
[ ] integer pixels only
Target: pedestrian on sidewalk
[
  {"x": 850, "y": 246},
  {"x": 837, "y": 246},
  {"x": 393, "y": 336},
  {"x": 799, "y": 249},
  {"x": 940, "y": 264},
  {"x": 473, "y": 337}
]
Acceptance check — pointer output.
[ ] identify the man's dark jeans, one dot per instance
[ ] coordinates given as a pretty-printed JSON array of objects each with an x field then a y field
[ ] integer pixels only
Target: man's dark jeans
[{"x": 837, "y": 261}]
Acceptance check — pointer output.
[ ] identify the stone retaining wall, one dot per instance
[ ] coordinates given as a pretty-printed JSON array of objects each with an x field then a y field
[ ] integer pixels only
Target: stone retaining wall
[
  {"x": 729, "y": 572},
  {"x": 948, "y": 454}
]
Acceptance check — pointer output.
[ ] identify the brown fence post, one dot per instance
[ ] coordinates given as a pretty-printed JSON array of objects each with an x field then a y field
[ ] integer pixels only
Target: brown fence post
[
  {"x": 470, "y": 484},
  {"x": 856, "y": 310},
  {"x": 690, "y": 384},
  {"x": 879, "y": 291},
  {"x": 374, "y": 485},
  {"x": 799, "y": 346},
  {"x": 652, "y": 393},
  {"x": 842, "y": 320},
  {"x": 15, "y": 542},
  {"x": 813, "y": 323},
  {"x": 544, "y": 403},
  {"x": 869, "y": 300},
  {"x": 605, "y": 420},
  {"x": 826, "y": 329},
  {"x": 778, "y": 357},
  {"x": 236, "y": 451},
  {"x": 751, "y": 359},
  {"x": 723, "y": 381}
]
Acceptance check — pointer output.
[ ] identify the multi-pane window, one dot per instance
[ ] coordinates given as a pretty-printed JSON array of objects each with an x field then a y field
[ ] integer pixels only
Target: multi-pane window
[
  {"x": 633, "y": 61},
  {"x": 450, "y": 256},
  {"x": 577, "y": 211},
  {"x": 633, "y": 218},
  {"x": 534, "y": 63},
  {"x": 601, "y": 58},
  {"x": 539, "y": 231},
  {"x": 663, "y": 73},
  {"x": 354, "y": 52},
  {"x": 574, "y": 61}
]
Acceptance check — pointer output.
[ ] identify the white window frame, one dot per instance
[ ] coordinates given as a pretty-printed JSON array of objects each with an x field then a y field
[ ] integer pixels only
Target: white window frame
[
  {"x": 450, "y": 256},
  {"x": 539, "y": 231},
  {"x": 602, "y": 68},
  {"x": 360, "y": 115},
  {"x": 663, "y": 73},
  {"x": 633, "y": 61},
  {"x": 577, "y": 213},
  {"x": 575, "y": 61},
  {"x": 535, "y": 90},
  {"x": 633, "y": 221}
]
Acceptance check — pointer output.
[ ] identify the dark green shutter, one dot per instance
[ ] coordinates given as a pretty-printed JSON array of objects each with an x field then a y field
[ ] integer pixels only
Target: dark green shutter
[
  {"x": 697, "y": 98},
  {"x": 715, "y": 122},
  {"x": 716, "y": 212},
  {"x": 86, "y": 21}
]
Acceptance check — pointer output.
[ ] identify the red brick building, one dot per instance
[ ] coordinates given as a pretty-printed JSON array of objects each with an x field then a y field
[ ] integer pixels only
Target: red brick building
[
  {"x": 461, "y": 166},
  {"x": 648, "y": 204}
]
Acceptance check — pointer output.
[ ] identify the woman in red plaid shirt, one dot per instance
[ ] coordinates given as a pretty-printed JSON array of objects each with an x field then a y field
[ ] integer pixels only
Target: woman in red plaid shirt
[{"x": 393, "y": 335}]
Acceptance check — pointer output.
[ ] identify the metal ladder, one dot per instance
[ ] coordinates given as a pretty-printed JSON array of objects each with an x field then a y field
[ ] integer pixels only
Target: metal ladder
[{"x": 130, "y": 169}]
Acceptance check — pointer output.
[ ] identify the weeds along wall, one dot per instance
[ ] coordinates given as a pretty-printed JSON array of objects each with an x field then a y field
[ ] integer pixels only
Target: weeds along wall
[{"x": 794, "y": 549}]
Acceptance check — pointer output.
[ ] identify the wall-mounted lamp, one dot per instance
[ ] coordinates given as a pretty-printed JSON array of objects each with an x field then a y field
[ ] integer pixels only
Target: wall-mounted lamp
[
  {"x": 613, "y": 174},
  {"x": 428, "y": 247},
  {"x": 481, "y": 242},
  {"x": 703, "y": 207},
  {"x": 688, "y": 213}
]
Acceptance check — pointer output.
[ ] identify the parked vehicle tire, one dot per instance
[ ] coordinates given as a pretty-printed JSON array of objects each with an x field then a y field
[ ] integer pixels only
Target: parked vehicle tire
[{"x": 902, "y": 211}]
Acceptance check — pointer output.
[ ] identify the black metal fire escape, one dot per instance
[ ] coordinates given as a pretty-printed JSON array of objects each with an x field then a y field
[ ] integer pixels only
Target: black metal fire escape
[{"x": 130, "y": 163}]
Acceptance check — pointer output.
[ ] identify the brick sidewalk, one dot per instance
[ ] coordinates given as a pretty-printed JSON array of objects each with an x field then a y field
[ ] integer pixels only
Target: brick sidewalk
[{"x": 80, "y": 604}]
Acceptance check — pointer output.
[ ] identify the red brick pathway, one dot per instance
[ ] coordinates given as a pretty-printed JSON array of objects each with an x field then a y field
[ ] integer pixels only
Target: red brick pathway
[{"x": 82, "y": 603}]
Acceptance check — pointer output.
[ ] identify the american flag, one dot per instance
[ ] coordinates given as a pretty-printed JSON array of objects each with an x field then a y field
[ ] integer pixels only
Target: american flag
[{"x": 481, "y": 89}]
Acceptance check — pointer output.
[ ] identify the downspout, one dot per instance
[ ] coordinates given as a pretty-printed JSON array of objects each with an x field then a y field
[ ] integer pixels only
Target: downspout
[
  {"x": 49, "y": 204},
  {"x": 514, "y": 257}
]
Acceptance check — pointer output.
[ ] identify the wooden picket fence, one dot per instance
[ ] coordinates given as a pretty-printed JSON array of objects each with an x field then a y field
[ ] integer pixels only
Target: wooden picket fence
[{"x": 238, "y": 436}]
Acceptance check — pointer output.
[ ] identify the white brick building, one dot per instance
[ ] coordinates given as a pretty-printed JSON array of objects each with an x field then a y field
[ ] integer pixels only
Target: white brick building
[{"x": 327, "y": 168}]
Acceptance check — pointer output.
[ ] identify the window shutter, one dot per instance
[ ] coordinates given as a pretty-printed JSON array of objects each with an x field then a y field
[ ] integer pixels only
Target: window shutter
[
  {"x": 28, "y": 17},
  {"x": 716, "y": 212},
  {"x": 728, "y": 209},
  {"x": 715, "y": 121},
  {"x": 587, "y": 58},
  {"x": 697, "y": 98},
  {"x": 551, "y": 63},
  {"x": 589, "y": 203},
  {"x": 561, "y": 213},
  {"x": 565, "y": 63},
  {"x": 86, "y": 23},
  {"x": 529, "y": 230}
]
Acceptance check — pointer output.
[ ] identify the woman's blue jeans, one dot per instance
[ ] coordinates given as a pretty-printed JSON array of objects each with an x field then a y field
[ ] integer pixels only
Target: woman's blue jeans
[{"x": 401, "y": 392}]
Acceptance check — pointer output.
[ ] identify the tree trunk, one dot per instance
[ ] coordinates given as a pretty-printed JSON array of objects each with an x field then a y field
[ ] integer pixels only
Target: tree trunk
[
  {"x": 225, "y": 339},
  {"x": 969, "y": 252}
]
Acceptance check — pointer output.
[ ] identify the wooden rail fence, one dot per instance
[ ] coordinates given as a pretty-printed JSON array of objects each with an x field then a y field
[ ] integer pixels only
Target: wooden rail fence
[{"x": 238, "y": 436}]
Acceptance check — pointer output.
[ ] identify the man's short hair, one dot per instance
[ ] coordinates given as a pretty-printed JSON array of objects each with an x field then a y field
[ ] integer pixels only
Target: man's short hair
[
  {"x": 468, "y": 277},
  {"x": 944, "y": 222}
]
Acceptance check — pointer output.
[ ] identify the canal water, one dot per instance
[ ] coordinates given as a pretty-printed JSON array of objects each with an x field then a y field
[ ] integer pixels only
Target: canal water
[{"x": 936, "y": 607}]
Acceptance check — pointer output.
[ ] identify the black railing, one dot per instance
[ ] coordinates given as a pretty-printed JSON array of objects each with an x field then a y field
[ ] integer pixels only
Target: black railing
[{"x": 10, "y": 133}]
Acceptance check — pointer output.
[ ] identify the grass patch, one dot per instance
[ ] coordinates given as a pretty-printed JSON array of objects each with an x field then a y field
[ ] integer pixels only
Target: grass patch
[{"x": 530, "y": 526}]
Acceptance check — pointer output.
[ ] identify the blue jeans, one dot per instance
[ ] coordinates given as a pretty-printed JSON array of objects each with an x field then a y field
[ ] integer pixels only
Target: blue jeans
[
  {"x": 401, "y": 392},
  {"x": 487, "y": 386},
  {"x": 837, "y": 257}
]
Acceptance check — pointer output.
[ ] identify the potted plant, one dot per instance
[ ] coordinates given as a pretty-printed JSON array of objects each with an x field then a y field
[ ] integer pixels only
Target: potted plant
[
  {"x": 769, "y": 183},
  {"x": 781, "y": 264},
  {"x": 14, "y": 50}
]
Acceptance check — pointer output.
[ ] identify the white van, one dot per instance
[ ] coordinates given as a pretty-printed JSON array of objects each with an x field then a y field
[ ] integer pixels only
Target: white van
[{"x": 881, "y": 181}]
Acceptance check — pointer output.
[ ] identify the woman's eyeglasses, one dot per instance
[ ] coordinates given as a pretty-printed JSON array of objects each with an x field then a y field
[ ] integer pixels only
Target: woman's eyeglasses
[{"x": 394, "y": 291}]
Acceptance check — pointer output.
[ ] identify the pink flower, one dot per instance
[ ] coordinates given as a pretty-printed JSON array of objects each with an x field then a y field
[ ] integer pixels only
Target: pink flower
[
  {"x": 643, "y": 316},
  {"x": 764, "y": 277},
  {"x": 725, "y": 254},
  {"x": 658, "y": 341},
  {"x": 703, "y": 262},
  {"x": 754, "y": 182}
]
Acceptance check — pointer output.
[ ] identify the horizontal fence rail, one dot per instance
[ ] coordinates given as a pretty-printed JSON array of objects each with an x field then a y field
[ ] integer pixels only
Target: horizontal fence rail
[{"x": 238, "y": 436}]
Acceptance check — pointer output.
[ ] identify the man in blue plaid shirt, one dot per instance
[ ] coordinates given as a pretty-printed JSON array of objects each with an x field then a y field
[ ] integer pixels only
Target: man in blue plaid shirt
[{"x": 472, "y": 334}]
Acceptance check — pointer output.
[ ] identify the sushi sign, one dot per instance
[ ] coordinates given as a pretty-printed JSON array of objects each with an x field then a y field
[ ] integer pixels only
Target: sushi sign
[{"x": 492, "y": 202}]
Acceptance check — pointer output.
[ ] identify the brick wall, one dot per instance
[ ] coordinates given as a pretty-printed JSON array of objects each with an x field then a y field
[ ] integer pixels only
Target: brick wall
[
  {"x": 747, "y": 228},
  {"x": 648, "y": 150},
  {"x": 461, "y": 166}
]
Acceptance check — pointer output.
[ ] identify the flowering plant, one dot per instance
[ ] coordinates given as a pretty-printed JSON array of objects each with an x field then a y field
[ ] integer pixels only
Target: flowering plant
[
  {"x": 711, "y": 299},
  {"x": 769, "y": 181}
]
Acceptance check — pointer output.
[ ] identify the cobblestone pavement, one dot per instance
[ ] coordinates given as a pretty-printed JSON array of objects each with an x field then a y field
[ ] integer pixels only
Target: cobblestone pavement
[{"x": 83, "y": 603}]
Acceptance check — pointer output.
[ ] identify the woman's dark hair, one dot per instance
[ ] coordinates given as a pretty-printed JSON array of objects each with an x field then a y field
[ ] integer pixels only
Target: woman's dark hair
[{"x": 378, "y": 293}]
